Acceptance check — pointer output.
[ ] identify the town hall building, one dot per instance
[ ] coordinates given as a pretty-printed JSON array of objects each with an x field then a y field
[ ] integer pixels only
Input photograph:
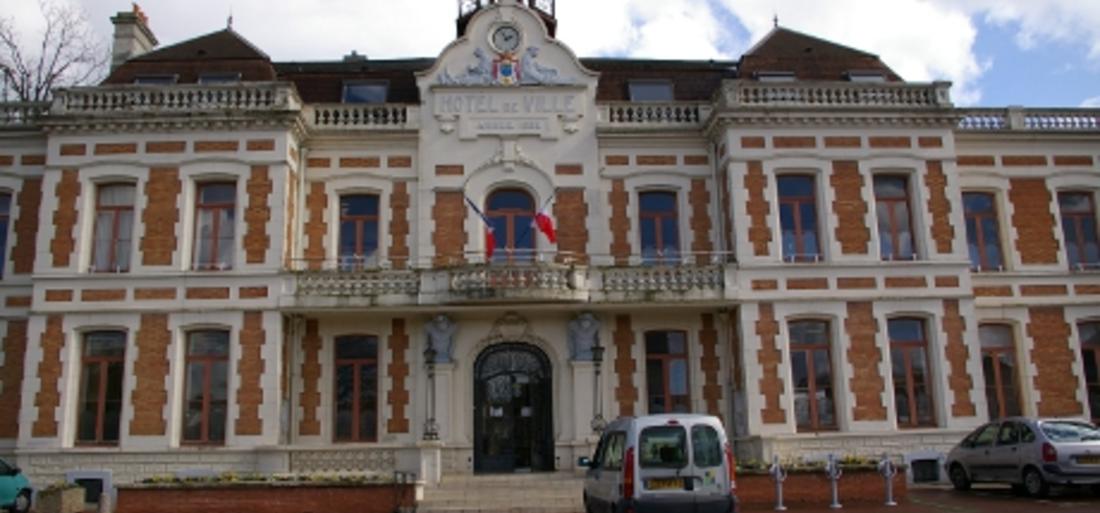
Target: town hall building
[{"x": 469, "y": 263}]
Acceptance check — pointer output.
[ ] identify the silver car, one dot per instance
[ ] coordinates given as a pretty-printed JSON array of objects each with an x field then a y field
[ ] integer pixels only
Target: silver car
[{"x": 1030, "y": 454}]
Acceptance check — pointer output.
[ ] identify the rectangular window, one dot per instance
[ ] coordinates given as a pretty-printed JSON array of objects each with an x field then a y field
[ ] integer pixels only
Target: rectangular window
[
  {"x": 999, "y": 366},
  {"x": 1089, "y": 333},
  {"x": 660, "y": 227},
  {"x": 220, "y": 78},
  {"x": 983, "y": 233},
  {"x": 101, "y": 369},
  {"x": 895, "y": 229},
  {"x": 1079, "y": 229},
  {"x": 667, "y": 372},
  {"x": 215, "y": 212},
  {"x": 798, "y": 218},
  {"x": 650, "y": 90},
  {"x": 356, "y": 388},
  {"x": 114, "y": 226},
  {"x": 206, "y": 390},
  {"x": 775, "y": 76},
  {"x": 156, "y": 79},
  {"x": 912, "y": 379},
  {"x": 358, "y": 230},
  {"x": 365, "y": 92},
  {"x": 811, "y": 371},
  {"x": 5, "y": 219}
]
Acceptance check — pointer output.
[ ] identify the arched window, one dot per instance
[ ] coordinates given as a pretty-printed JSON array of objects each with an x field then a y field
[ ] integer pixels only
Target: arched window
[
  {"x": 895, "y": 227},
  {"x": 100, "y": 410},
  {"x": 358, "y": 230},
  {"x": 667, "y": 372},
  {"x": 798, "y": 218},
  {"x": 660, "y": 227},
  {"x": 512, "y": 214},
  {"x": 1079, "y": 228},
  {"x": 912, "y": 376},
  {"x": 1089, "y": 332},
  {"x": 114, "y": 225},
  {"x": 207, "y": 387},
  {"x": 999, "y": 366},
  {"x": 812, "y": 373},
  {"x": 356, "y": 388}
]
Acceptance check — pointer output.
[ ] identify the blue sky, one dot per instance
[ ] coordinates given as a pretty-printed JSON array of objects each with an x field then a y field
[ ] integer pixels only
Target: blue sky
[{"x": 996, "y": 52}]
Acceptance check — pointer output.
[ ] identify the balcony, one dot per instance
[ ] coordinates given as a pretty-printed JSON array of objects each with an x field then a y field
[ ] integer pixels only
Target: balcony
[
  {"x": 740, "y": 94},
  {"x": 1030, "y": 120},
  {"x": 653, "y": 116},
  {"x": 664, "y": 283},
  {"x": 353, "y": 116},
  {"x": 122, "y": 100},
  {"x": 21, "y": 115},
  {"x": 334, "y": 284},
  {"x": 534, "y": 282}
]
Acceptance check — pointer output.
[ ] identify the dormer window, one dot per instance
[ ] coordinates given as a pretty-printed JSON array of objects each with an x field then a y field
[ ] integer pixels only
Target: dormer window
[
  {"x": 865, "y": 75},
  {"x": 775, "y": 76},
  {"x": 650, "y": 90},
  {"x": 220, "y": 78},
  {"x": 366, "y": 92},
  {"x": 156, "y": 79}
]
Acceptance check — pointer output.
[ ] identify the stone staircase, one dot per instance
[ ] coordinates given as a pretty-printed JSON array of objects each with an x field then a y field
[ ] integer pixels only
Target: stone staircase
[{"x": 546, "y": 492}]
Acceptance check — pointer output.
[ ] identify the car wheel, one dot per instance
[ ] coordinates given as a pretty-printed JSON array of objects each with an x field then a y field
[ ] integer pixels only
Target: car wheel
[
  {"x": 1034, "y": 483},
  {"x": 22, "y": 502},
  {"x": 958, "y": 478},
  {"x": 1096, "y": 490},
  {"x": 1019, "y": 489}
]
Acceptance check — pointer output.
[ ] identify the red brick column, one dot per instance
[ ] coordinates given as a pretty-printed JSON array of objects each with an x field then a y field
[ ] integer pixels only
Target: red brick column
[
  {"x": 256, "y": 239},
  {"x": 1031, "y": 204},
  {"x": 850, "y": 208},
  {"x": 758, "y": 208},
  {"x": 49, "y": 377},
  {"x": 310, "y": 396},
  {"x": 1053, "y": 357},
  {"x": 399, "y": 225},
  {"x": 150, "y": 369},
  {"x": 700, "y": 221},
  {"x": 709, "y": 362},
  {"x": 160, "y": 217},
  {"x": 620, "y": 222},
  {"x": 957, "y": 353},
  {"x": 250, "y": 368},
  {"x": 316, "y": 226},
  {"x": 26, "y": 227},
  {"x": 449, "y": 235},
  {"x": 11, "y": 375},
  {"x": 398, "y": 370},
  {"x": 770, "y": 358},
  {"x": 866, "y": 383},
  {"x": 571, "y": 214},
  {"x": 943, "y": 233},
  {"x": 625, "y": 393},
  {"x": 64, "y": 218}
]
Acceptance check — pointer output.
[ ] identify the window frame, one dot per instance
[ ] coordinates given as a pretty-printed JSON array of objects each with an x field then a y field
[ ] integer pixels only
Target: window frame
[
  {"x": 980, "y": 234},
  {"x": 347, "y": 85},
  {"x": 356, "y": 364},
  {"x": 910, "y": 385},
  {"x": 207, "y": 362},
  {"x": 1078, "y": 218},
  {"x": 665, "y": 359},
  {"x": 894, "y": 225},
  {"x": 214, "y": 246},
  {"x": 994, "y": 351},
  {"x": 103, "y": 363},
  {"x": 1088, "y": 346},
  {"x": 116, "y": 214},
  {"x": 509, "y": 253},
  {"x": 358, "y": 259},
  {"x": 808, "y": 351},
  {"x": 796, "y": 202},
  {"x": 658, "y": 257}
]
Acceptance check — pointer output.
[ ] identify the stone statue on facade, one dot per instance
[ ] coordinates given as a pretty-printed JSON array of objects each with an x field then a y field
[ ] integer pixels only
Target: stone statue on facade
[
  {"x": 584, "y": 332},
  {"x": 441, "y": 332},
  {"x": 479, "y": 73},
  {"x": 532, "y": 73}
]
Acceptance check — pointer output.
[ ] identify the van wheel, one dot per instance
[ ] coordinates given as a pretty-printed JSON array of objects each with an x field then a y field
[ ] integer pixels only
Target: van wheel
[
  {"x": 959, "y": 478},
  {"x": 1034, "y": 483},
  {"x": 22, "y": 502}
]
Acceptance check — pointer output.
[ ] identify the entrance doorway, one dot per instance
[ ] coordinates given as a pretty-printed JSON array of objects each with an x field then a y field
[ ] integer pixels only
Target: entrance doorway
[{"x": 513, "y": 428}]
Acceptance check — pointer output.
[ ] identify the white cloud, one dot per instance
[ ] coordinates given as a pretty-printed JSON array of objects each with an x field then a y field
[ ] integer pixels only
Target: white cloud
[
  {"x": 669, "y": 29},
  {"x": 1091, "y": 103}
]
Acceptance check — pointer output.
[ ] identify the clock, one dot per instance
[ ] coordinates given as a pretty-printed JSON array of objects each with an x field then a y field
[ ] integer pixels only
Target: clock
[{"x": 505, "y": 39}]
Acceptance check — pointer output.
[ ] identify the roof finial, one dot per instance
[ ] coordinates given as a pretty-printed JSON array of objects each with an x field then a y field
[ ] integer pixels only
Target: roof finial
[
  {"x": 229, "y": 20},
  {"x": 775, "y": 20}
]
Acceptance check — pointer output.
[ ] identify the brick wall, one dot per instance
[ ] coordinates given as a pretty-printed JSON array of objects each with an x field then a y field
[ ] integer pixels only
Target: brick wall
[
  {"x": 943, "y": 233},
  {"x": 758, "y": 208},
  {"x": 449, "y": 235},
  {"x": 150, "y": 368},
  {"x": 250, "y": 369},
  {"x": 49, "y": 378},
  {"x": 310, "y": 396},
  {"x": 626, "y": 394},
  {"x": 1053, "y": 357},
  {"x": 316, "y": 226},
  {"x": 11, "y": 377},
  {"x": 709, "y": 362},
  {"x": 770, "y": 359},
  {"x": 398, "y": 370},
  {"x": 256, "y": 239},
  {"x": 26, "y": 226},
  {"x": 399, "y": 225},
  {"x": 160, "y": 217},
  {"x": 1035, "y": 238},
  {"x": 64, "y": 218},
  {"x": 571, "y": 215},
  {"x": 866, "y": 383},
  {"x": 700, "y": 220},
  {"x": 851, "y": 229},
  {"x": 958, "y": 355},
  {"x": 620, "y": 222}
]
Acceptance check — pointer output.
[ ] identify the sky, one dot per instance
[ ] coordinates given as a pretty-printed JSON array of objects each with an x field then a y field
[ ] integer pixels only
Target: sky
[{"x": 1036, "y": 53}]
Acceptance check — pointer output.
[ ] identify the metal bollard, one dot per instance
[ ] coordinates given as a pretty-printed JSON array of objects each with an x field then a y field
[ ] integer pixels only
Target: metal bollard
[
  {"x": 779, "y": 475},
  {"x": 888, "y": 471},
  {"x": 833, "y": 472}
]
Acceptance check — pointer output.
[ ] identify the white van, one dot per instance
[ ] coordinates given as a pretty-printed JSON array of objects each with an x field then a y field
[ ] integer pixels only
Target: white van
[{"x": 669, "y": 463}]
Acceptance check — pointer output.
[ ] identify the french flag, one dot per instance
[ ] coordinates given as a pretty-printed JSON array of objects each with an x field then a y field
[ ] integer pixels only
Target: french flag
[
  {"x": 546, "y": 226},
  {"x": 490, "y": 240}
]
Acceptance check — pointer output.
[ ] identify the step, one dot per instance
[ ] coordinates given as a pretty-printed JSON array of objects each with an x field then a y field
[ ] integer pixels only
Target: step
[{"x": 549, "y": 492}]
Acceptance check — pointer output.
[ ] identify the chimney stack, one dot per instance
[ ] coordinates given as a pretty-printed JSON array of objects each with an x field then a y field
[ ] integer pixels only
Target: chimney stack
[{"x": 132, "y": 36}]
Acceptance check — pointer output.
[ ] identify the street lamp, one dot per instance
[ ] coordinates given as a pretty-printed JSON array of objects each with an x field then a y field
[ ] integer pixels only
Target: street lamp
[
  {"x": 598, "y": 423},
  {"x": 431, "y": 429}
]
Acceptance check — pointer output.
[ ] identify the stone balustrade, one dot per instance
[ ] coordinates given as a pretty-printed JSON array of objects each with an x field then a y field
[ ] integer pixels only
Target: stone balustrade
[
  {"x": 115, "y": 100},
  {"x": 387, "y": 116},
  {"x": 654, "y": 115},
  {"x": 21, "y": 114},
  {"x": 542, "y": 276},
  {"x": 855, "y": 95},
  {"x": 356, "y": 283},
  {"x": 663, "y": 278},
  {"x": 1032, "y": 120}
]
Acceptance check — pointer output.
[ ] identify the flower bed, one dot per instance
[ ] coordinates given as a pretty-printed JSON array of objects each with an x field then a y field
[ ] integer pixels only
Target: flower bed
[
  {"x": 342, "y": 494},
  {"x": 808, "y": 486}
]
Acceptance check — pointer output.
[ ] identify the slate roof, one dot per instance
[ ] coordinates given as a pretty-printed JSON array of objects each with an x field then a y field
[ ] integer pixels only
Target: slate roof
[{"x": 808, "y": 57}]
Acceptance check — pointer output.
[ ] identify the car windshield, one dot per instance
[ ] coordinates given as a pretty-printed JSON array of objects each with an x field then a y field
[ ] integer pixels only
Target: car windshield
[
  {"x": 664, "y": 446},
  {"x": 1066, "y": 431}
]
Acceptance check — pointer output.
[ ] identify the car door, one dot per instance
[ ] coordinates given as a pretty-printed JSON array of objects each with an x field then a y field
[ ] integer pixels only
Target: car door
[
  {"x": 707, "y": 469},
  {"x": 7, "y": 484},
  {"x": 606, "y": 473},
  {"x": 1004, "y": 457},
  {"x": 977, "y": 457}
]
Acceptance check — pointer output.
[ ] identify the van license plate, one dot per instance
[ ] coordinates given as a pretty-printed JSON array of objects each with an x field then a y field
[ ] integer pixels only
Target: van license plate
[
  {"x": 666, "y": 484},
  {"x": 1088, "y": 460}
]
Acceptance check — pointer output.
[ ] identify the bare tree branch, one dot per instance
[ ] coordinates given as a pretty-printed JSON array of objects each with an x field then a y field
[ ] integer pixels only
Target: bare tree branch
[{"x": 68, "y": 53}]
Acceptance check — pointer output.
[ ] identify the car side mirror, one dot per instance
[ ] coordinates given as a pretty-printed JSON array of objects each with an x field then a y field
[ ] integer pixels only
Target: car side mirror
[
  {"x": 583, "y": 461},
  {"x": 15, "y": 471}
]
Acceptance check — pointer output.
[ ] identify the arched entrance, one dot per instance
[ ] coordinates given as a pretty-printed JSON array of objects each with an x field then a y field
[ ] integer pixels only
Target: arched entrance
[{"x": 513, "y": 398}]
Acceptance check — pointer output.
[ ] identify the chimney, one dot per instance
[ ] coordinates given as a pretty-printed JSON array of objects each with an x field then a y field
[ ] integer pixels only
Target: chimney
[{"x": 132, "y": 36}]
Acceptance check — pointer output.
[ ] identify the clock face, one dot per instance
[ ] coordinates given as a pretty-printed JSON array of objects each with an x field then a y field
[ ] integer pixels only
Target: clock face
[{"x": 505, "y": 39}]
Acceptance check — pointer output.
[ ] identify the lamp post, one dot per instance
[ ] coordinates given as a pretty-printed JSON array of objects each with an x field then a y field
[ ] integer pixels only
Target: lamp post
[
  {"x": 598, "y": 423},
  {"x": 431, "y": 429}
]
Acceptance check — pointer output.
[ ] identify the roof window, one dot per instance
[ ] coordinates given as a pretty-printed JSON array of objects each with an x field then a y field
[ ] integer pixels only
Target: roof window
[
  {"x": 775, "y": 76},
  {"x": 650, "y": 90},
  {"x": 865, "y": 75},
  {"x": 231, "y": 77},
  {"x": 366, "y": 91},
  {"x": 156, "y": 79}
]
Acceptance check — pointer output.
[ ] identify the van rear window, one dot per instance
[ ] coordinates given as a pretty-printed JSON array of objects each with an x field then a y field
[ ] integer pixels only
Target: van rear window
[
  {"x": 706, "y": 446},
  {"x": 663, "y": 447}
]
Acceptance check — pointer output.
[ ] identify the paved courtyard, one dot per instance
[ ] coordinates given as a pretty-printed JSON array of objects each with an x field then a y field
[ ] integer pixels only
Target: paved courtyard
[{"x": 982, "y": 499}]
